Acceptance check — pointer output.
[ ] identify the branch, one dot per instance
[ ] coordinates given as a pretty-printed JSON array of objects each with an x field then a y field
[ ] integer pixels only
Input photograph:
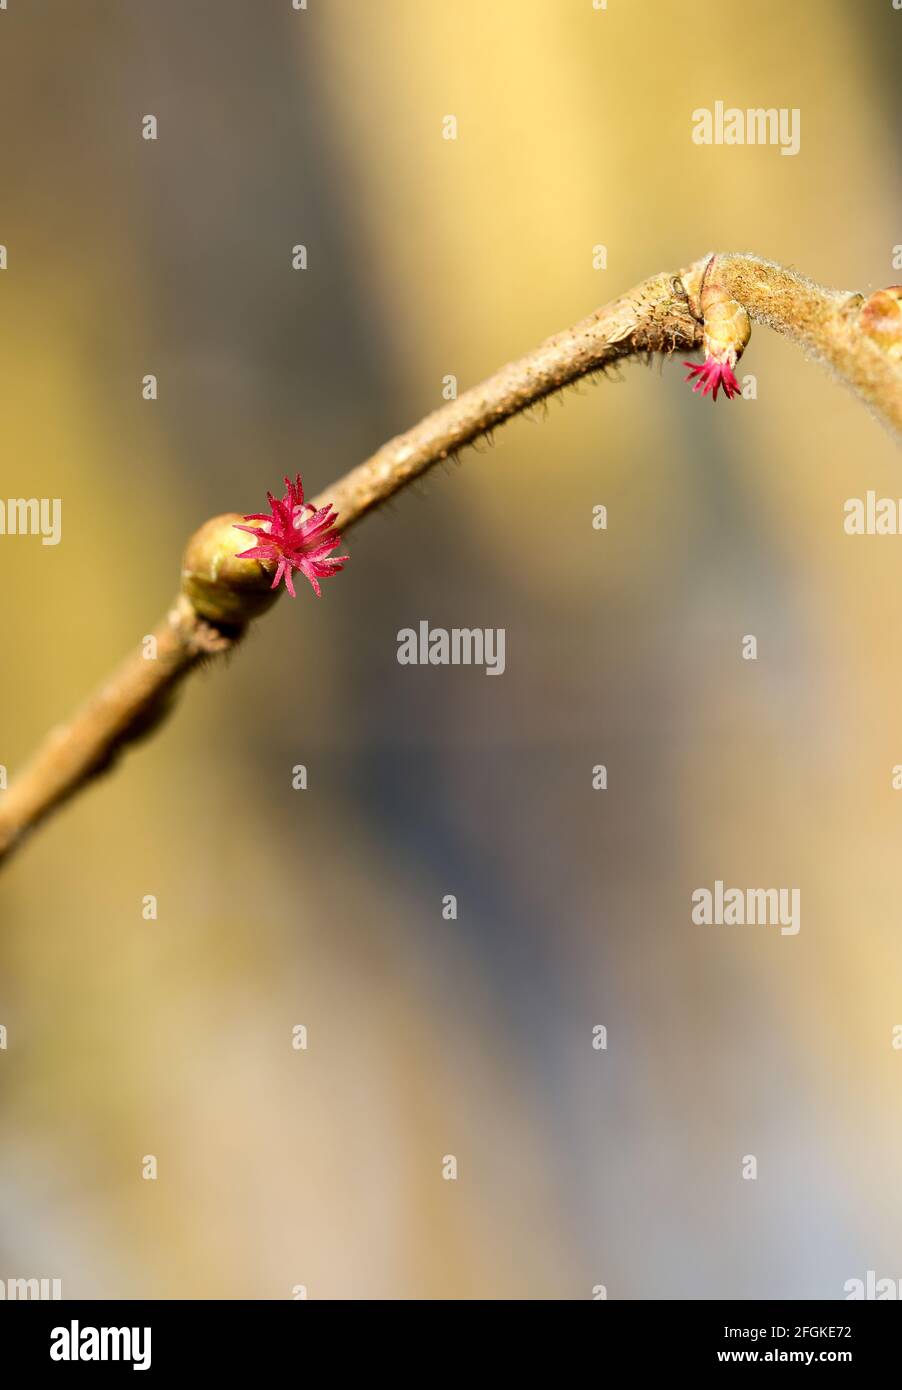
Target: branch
[
  {"x": 859, "y": 340},
  {"x": 707, "y": 304}
]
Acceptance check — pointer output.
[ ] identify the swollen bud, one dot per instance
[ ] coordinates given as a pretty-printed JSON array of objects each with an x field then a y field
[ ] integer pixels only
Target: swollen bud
[
  {"x": 727, "y": 329},
  {"x": 881, "y": 319},
  {"x": 727, "y": 326},
  {"x": 219, "y": 586}
]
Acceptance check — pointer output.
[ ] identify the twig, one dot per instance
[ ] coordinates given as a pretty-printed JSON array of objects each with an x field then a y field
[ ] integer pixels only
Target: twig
[{"x": 859, "y": 340}]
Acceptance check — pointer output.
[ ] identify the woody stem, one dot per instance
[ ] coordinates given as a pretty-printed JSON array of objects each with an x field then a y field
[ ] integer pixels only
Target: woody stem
[{"x": 661, "y": 315}]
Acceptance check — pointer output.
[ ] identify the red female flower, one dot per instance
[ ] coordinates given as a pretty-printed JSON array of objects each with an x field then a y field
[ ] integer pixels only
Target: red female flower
[
  {"x": 290, "y": 542},
  {"x": 711, "y": 375}
]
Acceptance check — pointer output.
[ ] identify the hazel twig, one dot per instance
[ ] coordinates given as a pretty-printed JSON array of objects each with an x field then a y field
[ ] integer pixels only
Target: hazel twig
[{"x": 707, "y": 305}]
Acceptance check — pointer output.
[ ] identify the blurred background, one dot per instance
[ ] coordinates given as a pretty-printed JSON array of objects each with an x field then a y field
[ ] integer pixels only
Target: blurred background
[{"x": 426, "y": 1037}]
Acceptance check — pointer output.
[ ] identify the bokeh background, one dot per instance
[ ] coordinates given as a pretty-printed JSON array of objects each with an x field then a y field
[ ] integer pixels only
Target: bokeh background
[{"x": 323, "y": 907}]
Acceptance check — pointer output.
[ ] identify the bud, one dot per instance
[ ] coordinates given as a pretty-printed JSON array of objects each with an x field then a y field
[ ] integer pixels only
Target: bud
[
  {"x": 727, "y": 326},
  {"x": 881, "y": 320},
  {"x": 219, "y": 586},
  {"x": 727, "y": 330}
]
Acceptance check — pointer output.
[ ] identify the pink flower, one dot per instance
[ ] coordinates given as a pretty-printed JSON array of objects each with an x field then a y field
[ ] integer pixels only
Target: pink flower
[
  {"x": 291, "y": 543},
  {"x": 711, "y": 376}
]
